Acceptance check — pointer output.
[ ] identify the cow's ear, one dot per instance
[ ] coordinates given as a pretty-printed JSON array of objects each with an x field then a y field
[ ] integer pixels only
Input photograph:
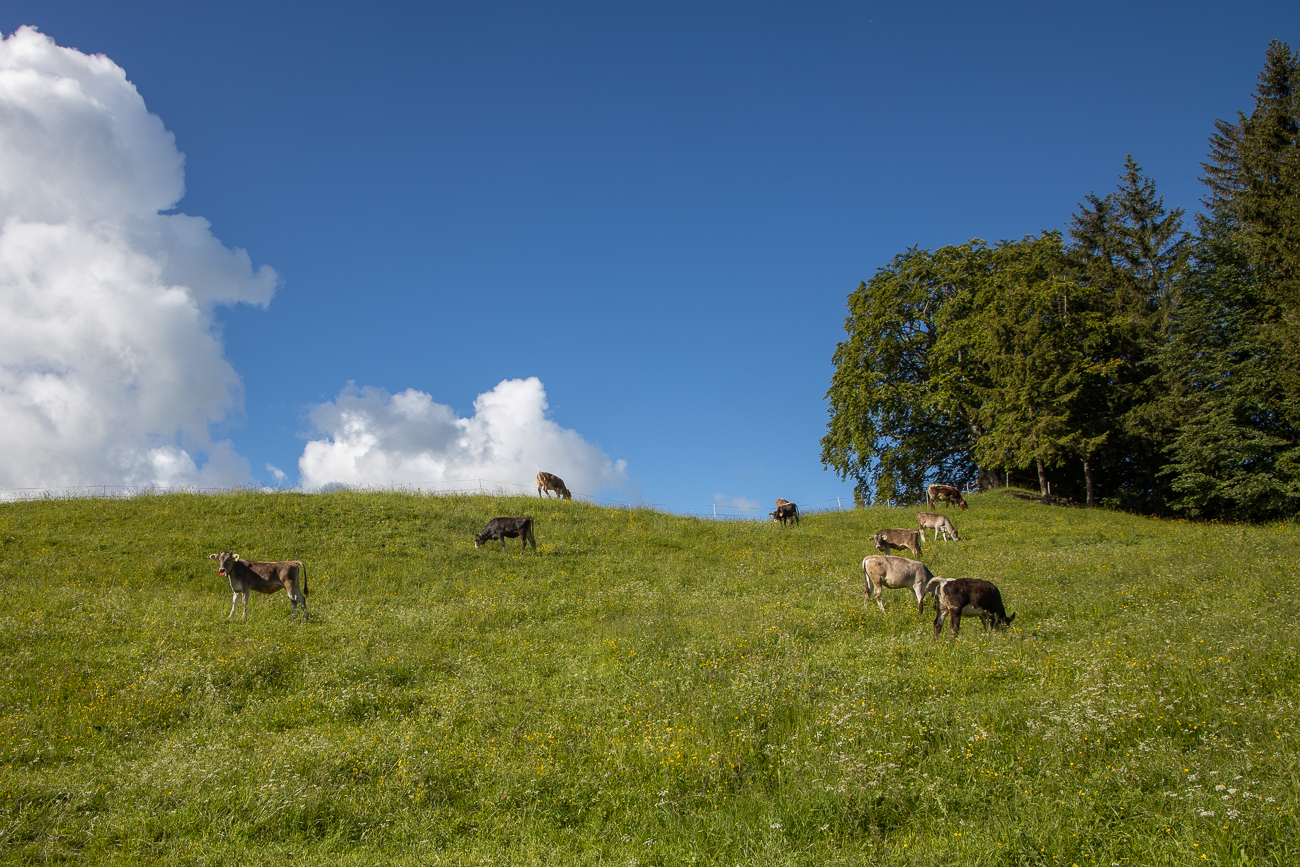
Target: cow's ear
[
  {"x": 236, "y": 556},
  {"x": 212, "y": 556}
]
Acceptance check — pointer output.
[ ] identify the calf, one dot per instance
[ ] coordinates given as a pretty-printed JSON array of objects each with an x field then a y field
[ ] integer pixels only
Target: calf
[
  {"x": 957, "y": 596},
  {"x": 944, "y": 494},
  {"x": 938, "y": 523},
  {"x": 897, "y": 540},
  {"x": 894, "y": 573},
  {"x": 508, "y": 528},
  {"x": 785, "y": 512},
  {"x": 264, "y": 577},
  {"x": 547, "y": 482}
]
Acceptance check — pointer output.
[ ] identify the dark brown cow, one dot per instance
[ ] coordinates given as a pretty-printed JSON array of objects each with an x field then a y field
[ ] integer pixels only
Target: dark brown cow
[
  {"x": 957, "y": 596},
  {"x": 944, "y": 494},
  {"x": 785, "y": 512},
  {"x": 547, "y": 482},
  {"x": 264, "y": 577},
  {"x": 898, "y": 540},
  {"x": 508, "y": 528}
]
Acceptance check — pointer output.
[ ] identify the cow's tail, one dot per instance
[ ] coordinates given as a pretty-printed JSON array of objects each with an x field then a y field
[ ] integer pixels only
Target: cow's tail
[{"x": 302, "y": 570}]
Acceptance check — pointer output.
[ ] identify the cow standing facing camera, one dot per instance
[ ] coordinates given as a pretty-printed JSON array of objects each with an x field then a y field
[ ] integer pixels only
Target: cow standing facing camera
[
  {"x": 785, "y": 511},
  {"x": 264, "y": 577}
]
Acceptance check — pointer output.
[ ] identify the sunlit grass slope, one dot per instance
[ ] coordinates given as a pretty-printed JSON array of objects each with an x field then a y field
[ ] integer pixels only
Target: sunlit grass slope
[{"x": 650, "y": 689}]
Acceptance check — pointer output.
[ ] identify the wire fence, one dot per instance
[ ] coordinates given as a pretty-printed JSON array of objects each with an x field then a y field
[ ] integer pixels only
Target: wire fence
[{"x": 451, "y": 487}]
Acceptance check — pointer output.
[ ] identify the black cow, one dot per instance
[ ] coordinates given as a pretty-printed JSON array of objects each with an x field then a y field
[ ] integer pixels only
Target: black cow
[
  {"x": 508, "y": 528},
  {"x": 959, "y": 596},
  {"x": 785, "y": 512}
]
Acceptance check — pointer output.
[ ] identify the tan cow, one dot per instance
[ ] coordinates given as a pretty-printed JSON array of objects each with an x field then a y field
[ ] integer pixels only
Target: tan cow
[
  {"x": 898, "y": 540},
  {"x": 547, "y": 482},
  {"x": 944, "y": 494},
  {"x": 938, "y": 523},
  {"x": 894, "y": 573},
  {"x": 264, "y": 577}
]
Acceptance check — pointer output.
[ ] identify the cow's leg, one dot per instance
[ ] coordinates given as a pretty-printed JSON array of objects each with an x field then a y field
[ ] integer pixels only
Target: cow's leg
[
  {"x": 919, "y": 590},
  {"x": 955, "y": 622},
  {"x": 503, "y": 543},
  {"x": 938, "y": 619},
  {"x": 244, "y": 593},
  {"x": 234, "y": 601},
  {"x": 878, "y": 591}
]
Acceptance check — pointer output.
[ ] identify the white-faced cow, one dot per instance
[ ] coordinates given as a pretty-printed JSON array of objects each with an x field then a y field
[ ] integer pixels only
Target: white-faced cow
[
  {"x": 944, "y": 494},
  {"x": 973, "y": 596},
  {"x": 547, "y": 482},
  {"x": 785, "y": 511},
  {"x": 894, "y": 573},
  {"x": 508, "y": 528},
  {"x": 264, "y": 577},
  {"x": 938, "y": 523},
  {"x": 898, "y": 540}
]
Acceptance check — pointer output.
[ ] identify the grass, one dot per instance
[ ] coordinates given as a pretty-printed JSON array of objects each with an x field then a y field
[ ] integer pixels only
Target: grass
[{"x": 650, "y": 689}]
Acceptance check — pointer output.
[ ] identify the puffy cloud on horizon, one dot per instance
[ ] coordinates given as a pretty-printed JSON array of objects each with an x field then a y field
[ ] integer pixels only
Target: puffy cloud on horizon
[
  {"x": 374, "y": 438},
  {"x": 110, "y": 372}
]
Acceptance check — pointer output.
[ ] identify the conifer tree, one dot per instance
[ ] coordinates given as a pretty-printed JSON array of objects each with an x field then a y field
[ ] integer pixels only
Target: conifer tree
[
  {"x": 1233, "y": 361},
  {"x": 1127, "y": 253}
]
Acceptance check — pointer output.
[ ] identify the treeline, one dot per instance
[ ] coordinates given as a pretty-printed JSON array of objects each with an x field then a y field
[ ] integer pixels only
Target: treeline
[{"x": 1129, "y": 362}]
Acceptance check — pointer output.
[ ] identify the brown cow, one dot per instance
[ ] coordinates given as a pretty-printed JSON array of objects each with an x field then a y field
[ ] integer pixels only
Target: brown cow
[
  {"x": 957, "y": 596},
  {"x": 897, "y": 540},
  {"x": 264, "y": 577},
  {"x": 547, "y": 482},
  {"x": 944, "y": 494}
]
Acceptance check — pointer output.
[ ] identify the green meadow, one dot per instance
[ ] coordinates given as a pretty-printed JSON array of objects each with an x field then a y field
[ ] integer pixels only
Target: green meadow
[{"x": 648, "y": 689}]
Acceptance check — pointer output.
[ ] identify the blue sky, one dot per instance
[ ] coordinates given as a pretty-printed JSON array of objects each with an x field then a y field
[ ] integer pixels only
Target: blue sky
[{"x": 657, "y": 210}]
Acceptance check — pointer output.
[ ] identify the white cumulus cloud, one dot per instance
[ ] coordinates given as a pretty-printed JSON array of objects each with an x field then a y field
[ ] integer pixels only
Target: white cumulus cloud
[
  {"x": 373, "y": 438},
  {"x": 110, "y": 372}
]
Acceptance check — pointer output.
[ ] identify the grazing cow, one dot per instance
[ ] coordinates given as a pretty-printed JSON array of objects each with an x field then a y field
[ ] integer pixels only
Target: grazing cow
[
  {"x": 938, "y": 523},
  {"x": 897, "y": 540},
  {"x": 785, "y": 512},
  {"x": 547, "y": 482},
  {"x": 508, "y": 528},
  {"x": 944, "y": 494},
  {"x": 894, "y": 573},
  {"x": 264, "y": 577},
  {"x": 957, "y": 596}
]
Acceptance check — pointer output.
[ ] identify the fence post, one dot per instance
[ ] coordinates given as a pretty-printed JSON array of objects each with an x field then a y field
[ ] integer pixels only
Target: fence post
[
  {"x": 715, "y": 511},
  {"x": 838, "y": 504}
]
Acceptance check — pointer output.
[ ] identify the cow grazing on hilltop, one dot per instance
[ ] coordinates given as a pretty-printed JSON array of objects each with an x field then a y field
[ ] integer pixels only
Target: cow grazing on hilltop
[
  {"x": 264, "y": 577},
  {"x": 944, "y": 494},
  {"x": 894, "y": 573},
  {"x": 957, "y": 596},
  {"x": 898, "y": 540},
  {"x": 785, "y": 512},
  {"x": 938, "y": 523},
  {"x": 508, "y": 528},
  {"x": 547, "y": 482}
]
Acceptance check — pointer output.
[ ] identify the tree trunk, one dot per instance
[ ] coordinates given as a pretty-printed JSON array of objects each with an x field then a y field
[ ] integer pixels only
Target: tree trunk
[
  {"x": 1042, "y": 481},
  {"x": 1087, "y": 479}
]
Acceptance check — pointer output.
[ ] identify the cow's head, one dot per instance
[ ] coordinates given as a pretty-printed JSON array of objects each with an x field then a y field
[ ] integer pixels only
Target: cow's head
[
  {"x": 224, "y": 561},
  {"x": 880, "y": 542},
  {"x": 479, "y": 539},
  {"x": 961, "y": 502},
  {"x": 1001, "y": 622}
]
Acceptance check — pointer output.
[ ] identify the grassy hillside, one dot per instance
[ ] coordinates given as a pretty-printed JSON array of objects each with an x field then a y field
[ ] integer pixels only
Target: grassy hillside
[{"x": 650, "y": 689}]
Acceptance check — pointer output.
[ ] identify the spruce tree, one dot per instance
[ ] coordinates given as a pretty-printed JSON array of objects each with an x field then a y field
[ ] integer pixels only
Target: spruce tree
[
  {"x": 1127, "y": 252},
  {"x": 1232, "y": 365}
]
